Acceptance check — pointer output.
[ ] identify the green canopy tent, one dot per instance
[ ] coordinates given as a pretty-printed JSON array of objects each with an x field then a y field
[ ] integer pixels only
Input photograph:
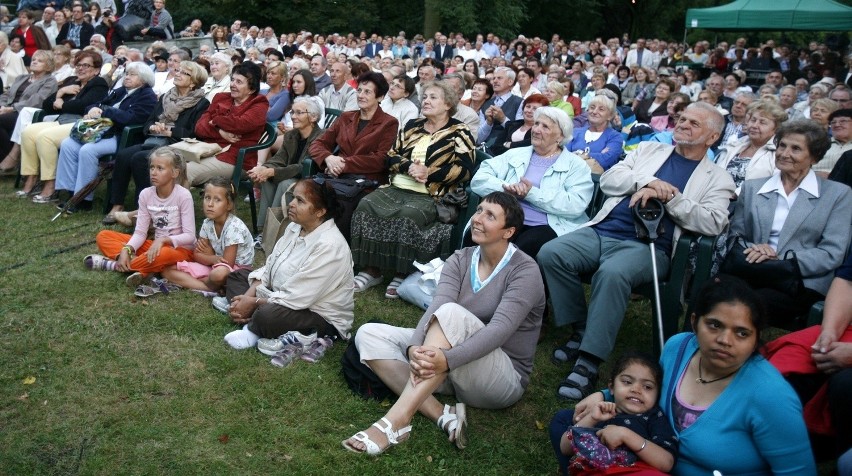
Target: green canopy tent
[{"x": 773, "y": 15}]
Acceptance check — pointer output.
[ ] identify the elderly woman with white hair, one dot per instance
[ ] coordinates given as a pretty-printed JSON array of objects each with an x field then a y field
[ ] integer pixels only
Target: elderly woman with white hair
[
  {"x": 598, "y": 143},
  {"x": 553, "y": 184},
  {"x": 277, "y": 174},
  {"x": 220, "y": 75},
  {"x": 130, "y": 104}
]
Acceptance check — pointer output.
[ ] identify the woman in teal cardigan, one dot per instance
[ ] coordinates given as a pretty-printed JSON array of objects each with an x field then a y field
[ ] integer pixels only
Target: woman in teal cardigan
[{"x": 732, "y": 410}]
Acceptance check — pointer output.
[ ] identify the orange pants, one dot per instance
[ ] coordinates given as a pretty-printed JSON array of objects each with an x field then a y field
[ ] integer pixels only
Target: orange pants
[{"x": 110, "y": 243}]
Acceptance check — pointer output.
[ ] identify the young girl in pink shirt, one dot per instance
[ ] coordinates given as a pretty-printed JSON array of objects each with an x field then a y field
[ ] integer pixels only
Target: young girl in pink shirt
[{"x": 167, "y": 206}]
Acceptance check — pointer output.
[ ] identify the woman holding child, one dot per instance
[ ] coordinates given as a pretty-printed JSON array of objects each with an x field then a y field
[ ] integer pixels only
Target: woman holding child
[{"x": 719, "y": 395}]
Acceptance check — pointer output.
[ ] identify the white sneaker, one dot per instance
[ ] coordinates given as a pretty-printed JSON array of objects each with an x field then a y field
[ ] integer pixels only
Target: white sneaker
[
  {"x": 273, "y": 346},
  {"x": 221, "y": 304}
]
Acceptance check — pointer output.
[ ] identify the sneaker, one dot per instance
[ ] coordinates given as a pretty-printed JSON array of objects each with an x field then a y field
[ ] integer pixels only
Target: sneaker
[
  {"x": 135, "y": 280},
  {"x": 273, "y": 346},
  {"x": 96, "y": 262},
  {"x": 287, "y": 355},
  {"x": 317, "y": 349},
  {"x": 221, "y": 304},
  {"x": 258, "y": 241}
]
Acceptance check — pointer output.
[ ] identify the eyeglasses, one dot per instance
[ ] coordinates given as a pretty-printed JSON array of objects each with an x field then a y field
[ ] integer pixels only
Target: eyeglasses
[
  {"x": 298, "y": 113},
  {"x": 84, "y": 65},
  {"x": 839, "y": 122},
  {"x": 185, "y": 73}
]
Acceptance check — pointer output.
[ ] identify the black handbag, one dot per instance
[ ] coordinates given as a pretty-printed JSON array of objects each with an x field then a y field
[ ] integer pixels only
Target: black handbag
[
  {"x": 779, "y": 274},
  {"x": 449, "y": 206},
  {"x": 347, "y": 185}
]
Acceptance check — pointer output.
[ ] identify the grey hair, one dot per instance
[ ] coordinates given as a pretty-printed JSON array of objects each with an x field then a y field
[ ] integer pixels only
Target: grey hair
[
  {"x": 560, "y": 118},
  {"x": 460, "y": 78},
  {"x": 141, "y": 69},
  {"x": 751, "y": 95},
  {"x": 219, "y": 56},
  {"x": 451, "y": 97},
  {"x": 510, "y": 73},
  {"x": 314, "y": 111},
  {"x": 605, "y": 97},
  {"x": 715, "y": 119}
]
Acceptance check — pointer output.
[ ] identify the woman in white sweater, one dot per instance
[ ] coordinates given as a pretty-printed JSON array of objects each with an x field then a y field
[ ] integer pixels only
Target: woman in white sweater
[{"x": 306, "y": 284}]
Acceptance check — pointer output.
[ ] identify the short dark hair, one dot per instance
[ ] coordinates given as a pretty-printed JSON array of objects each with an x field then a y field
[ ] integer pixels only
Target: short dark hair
[
  {"x": 407, "y": 83},
  {"x": 378, "y": 80},
  {"x": 847, "y": 112},
  {"x": 489, "y": 88},
  {"x": 642, "y": 358},
  {"x": 511, "y": 208},
  {"x": 730, "y": 290},
  {"x": 321, "y": 194},
  {"x": 815, "y": 136},
  {"x": 251, "y": 72}
]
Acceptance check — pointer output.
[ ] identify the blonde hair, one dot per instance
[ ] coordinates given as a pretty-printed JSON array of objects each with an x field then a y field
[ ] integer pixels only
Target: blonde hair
[{"x": 178, "y": 162}]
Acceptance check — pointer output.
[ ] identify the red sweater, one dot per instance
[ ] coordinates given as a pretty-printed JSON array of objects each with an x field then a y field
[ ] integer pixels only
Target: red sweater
[
  {"x": 366, "y": 151},
  {"x": 246, "y": 120}
]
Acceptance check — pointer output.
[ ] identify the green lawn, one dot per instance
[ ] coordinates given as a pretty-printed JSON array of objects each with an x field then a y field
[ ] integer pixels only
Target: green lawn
[{"x": 129, "y": 386}]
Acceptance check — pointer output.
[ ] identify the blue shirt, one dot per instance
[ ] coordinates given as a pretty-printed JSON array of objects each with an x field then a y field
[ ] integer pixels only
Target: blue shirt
[{"x": 619, "y": 223}]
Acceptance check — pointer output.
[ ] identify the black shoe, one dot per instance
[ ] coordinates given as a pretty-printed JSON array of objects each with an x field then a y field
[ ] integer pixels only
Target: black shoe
[{"x": 83, "y": 206}]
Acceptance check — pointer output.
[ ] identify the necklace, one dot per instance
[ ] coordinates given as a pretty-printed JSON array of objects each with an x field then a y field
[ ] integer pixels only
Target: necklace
[{"x": 701, "y": 380}]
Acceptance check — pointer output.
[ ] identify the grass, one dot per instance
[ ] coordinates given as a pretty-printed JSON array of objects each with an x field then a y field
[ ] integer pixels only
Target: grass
[{"x": 129, "y": 386}]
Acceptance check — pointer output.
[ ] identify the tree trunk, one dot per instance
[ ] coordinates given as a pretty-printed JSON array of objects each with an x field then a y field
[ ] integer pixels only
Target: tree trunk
[{"x": 431, "y": 18}]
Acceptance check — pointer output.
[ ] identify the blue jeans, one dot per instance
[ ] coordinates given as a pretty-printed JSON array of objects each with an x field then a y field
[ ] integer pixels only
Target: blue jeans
[
  {"x": 78, "y": 163},
  {"x": 563, "y": 420}
]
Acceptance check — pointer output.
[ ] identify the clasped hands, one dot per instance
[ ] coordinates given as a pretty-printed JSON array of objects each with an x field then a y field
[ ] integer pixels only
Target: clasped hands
[
  {"x": 334, "y": 165},
  {"x": 520, "y": 189},
  {"x": 425, "y": 361},
  {"x": 418, "y": 172},
  {"x": 595, "y": 412},
  {"x": 260, "y": 174},
  {"x": 829, "y": 354}
]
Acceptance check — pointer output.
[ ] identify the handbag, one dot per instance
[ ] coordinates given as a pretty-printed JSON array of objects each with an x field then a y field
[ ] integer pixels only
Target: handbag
[
  {"x": 347, "y": 185},
  {"x": 450, "y": 204},
  {"x": 194, "y": 150},
  {"x": 88, "y": 131},
  {"x": 779, "y": 274}
]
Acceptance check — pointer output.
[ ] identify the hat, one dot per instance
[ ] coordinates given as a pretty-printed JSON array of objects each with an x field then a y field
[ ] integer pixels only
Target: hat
[
  {"x": 828, "y": 81},
  {"x": 663, "y": 71}
]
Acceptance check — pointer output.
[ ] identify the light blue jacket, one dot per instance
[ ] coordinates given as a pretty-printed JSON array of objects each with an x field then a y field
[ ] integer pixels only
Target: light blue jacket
[{"x": 564, "y": 193}]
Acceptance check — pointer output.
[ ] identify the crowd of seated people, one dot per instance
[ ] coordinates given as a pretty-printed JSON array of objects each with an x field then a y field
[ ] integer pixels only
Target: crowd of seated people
[{"x": 725, "y": 157}]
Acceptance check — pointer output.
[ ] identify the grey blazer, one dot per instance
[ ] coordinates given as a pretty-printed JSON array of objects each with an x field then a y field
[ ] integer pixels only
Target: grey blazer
[
  {"x": 34, "y": 93},
  {"x": 817, "y": 228}
]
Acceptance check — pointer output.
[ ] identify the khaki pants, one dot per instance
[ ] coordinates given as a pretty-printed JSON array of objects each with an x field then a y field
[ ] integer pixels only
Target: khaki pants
[
  {"x": 40, "y": 148},
  {"x": 201, "y": 172},
  {"x": 488, "y": 382}
]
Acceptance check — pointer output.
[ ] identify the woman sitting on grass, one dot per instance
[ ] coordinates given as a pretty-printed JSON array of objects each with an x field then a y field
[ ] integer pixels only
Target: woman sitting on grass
[
  {"x": 224, "y": 245},
  {"x": 476, "y": 340},
  {"x": 167, "y": 206},
  {"x": 306, "y": 284}
]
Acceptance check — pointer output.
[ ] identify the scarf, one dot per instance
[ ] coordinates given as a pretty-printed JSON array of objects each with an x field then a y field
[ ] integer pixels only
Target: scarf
[{"x": 173, "y": 104}]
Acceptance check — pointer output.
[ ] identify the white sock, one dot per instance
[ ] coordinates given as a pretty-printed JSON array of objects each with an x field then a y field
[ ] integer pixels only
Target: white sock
[{"x": 242, "y": 339}]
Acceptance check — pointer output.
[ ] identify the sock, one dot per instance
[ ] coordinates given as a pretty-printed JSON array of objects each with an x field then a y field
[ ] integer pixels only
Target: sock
[
  {"x": 590, "y": 368},
  {"x": 105, "y": 264},
  {"x": 242, "y": 339},
  {"x": 573, "y": 344}
]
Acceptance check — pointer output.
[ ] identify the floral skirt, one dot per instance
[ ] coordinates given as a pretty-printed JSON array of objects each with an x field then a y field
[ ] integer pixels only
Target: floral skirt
[{"x": 393, "y": 227}]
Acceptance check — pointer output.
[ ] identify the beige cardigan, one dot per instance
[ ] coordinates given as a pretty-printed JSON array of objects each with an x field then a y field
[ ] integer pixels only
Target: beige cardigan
[{"x": 323, "y": 278}]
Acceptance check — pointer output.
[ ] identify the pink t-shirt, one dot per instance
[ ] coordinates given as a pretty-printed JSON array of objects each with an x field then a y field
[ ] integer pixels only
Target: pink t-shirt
[{"x": 173, "y": 217}]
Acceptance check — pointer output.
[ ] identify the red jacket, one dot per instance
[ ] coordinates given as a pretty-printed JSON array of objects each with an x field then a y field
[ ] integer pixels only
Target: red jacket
[
  {"x": 246, "y": 120},
  {"x": 366, "y": 151}
]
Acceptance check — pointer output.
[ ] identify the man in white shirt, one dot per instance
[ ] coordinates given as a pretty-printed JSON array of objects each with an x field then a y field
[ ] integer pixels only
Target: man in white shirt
[
  {"x": 339, "y": 95},
  {"x": 639, "y": 56},
  {"x": 48, "y": 25}
]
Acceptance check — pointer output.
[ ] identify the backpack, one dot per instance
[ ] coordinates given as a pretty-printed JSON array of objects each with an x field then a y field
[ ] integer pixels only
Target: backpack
[{"x": 360, "y": 378}]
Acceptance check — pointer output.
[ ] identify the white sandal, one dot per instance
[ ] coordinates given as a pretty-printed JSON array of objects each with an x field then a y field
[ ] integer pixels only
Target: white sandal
[
  {"x": 372, "y": 448},
  {"x": 455, "y": 424},
  {"x": 365, "y": 281}
]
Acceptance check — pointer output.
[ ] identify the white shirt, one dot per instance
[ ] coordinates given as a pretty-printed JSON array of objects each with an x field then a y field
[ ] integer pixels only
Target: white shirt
[{"x": 785, "y": 202}]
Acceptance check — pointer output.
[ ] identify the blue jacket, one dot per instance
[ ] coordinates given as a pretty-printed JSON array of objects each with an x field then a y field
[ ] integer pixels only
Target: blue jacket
[
  {"x": 564, "y": 194},
  {"x": 607, "y": 150},
  {"x": 134, "y": 109}
]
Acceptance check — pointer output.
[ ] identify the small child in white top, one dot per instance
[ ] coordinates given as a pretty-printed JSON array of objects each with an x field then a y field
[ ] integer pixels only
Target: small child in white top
[{"x": 225, "y": 243}]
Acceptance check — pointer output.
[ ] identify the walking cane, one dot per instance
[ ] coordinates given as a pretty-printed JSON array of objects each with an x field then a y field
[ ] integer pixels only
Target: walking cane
[{"x": 647, "y": 219}]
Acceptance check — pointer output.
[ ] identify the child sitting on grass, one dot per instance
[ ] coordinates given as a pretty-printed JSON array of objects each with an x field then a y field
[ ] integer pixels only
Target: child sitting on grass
[
  {"x": 167, "y": 206},
  {"x": 224, "y": 245},
  {"x": 630, "y": 431}
]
